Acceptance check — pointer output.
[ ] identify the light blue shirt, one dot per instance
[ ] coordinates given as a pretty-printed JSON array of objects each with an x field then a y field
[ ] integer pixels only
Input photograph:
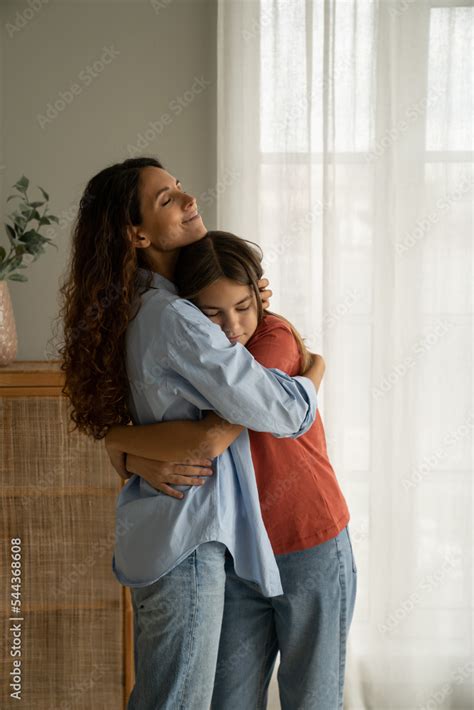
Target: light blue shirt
[{"x": 179, "y": 363}]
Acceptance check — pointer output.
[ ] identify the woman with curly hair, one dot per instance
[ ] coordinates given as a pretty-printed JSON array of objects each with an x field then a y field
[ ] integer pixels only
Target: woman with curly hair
[{"x": 135, "y": 352}]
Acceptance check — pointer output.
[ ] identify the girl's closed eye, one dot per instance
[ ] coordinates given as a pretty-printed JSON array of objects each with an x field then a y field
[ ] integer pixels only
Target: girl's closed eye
[{"x": 234, "y": 307}]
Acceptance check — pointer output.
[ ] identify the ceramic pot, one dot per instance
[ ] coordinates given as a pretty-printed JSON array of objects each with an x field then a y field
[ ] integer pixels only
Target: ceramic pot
[{"x": 8, "y": 339}]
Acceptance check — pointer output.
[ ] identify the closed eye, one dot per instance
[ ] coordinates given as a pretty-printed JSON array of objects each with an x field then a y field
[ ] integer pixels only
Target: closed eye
[
  {"x": 211, "y": 315},
  {"x": 180, "y": 188}
]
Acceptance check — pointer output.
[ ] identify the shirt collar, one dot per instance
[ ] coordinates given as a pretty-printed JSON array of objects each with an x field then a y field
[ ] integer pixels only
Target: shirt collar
[{"x": 158, "y": 281}]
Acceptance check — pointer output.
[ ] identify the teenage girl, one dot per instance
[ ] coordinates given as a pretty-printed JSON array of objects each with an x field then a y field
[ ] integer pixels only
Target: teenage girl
[{"x": 304, "y": 510}]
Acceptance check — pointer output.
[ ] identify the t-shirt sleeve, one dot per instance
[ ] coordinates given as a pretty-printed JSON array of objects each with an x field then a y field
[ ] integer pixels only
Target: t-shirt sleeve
[{"x": 276, "y": 347}]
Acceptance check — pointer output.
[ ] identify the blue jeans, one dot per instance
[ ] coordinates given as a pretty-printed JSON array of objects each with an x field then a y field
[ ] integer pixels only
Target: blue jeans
[
  {"x": 308, "y": 624},
  {"x": 177, "y": 624}
]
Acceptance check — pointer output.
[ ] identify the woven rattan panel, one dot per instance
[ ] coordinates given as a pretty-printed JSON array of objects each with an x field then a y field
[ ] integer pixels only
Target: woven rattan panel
[{"x": 58, "y": 496}]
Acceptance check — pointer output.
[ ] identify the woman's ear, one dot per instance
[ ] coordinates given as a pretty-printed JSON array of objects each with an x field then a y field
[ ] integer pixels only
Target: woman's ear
[{"x": 138, "y": 240}]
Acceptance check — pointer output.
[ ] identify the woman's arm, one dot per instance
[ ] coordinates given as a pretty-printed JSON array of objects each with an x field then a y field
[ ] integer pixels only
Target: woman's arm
[
  {"x": 182, "y": 440},
  {"x": 186, "y": 440}
]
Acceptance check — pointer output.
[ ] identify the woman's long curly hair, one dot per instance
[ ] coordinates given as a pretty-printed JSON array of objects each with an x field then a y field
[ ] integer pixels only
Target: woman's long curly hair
[
  {"x": 98, "y": 296},
  {"x": 222, "y": 254}
]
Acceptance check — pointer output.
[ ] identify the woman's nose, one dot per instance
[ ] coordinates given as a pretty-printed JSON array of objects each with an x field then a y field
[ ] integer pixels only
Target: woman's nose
[{"x": 188, "y": 199}]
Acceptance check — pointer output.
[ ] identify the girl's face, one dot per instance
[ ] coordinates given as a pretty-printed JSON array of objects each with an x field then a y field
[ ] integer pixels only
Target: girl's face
[{"x": 231, "y": 305}]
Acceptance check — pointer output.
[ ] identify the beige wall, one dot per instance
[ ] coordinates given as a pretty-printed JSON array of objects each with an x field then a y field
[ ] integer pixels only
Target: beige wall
[{"x": 156, "y": 64}]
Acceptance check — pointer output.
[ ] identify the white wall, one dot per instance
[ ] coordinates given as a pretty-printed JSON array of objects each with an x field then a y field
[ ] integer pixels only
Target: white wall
[{"x": 160, "y": 47}]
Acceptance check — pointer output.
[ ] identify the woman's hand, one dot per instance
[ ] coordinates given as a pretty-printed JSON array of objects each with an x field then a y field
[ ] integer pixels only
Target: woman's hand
[
  {"x": 160, "y": 474},
  {"x": 117, "y": 459},
  {"x": 265, "y": 293}
]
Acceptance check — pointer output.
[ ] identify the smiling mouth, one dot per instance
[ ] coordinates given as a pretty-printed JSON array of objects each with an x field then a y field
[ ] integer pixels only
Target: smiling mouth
[{"x": 191, "y": 219}]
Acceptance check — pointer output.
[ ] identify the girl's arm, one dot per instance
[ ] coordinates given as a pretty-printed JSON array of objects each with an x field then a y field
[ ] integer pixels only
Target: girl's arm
[
  {"x": 182, "y": 440},
  {"x": 316, "y": 370}
]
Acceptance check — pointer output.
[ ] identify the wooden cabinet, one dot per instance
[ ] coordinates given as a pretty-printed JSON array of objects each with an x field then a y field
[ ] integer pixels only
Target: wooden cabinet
[{"x": 58, "y": 495}]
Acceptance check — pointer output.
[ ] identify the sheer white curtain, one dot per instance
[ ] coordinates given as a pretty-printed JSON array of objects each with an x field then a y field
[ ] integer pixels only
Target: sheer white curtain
[{"x": 345, "y": 150}]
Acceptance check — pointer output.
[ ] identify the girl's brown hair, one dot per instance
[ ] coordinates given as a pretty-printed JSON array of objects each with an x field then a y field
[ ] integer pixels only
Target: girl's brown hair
[
  {"x": 222, "y": 254},
  {"x": 97, "y": 297}
]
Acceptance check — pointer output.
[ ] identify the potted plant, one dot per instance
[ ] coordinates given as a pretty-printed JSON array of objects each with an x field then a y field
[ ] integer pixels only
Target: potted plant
[{"x": 26, "y": 245}]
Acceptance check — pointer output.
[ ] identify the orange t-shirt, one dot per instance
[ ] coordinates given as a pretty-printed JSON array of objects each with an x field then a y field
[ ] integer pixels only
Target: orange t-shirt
[{"x": 302, "y": 504}]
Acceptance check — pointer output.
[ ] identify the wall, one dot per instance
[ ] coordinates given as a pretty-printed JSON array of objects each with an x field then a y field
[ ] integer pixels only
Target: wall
[{"x": 133, "y": 64}]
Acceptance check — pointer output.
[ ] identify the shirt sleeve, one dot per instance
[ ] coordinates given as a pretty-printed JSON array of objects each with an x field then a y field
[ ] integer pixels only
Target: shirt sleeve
[
  {"x": 205, "y": 368},
  {"x": 276, "y": 347}
]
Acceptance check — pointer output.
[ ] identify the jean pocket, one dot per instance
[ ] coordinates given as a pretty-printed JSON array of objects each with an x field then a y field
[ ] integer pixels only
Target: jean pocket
[
  {"x": 146, "y": 597},
  {"x": 354, "y": 566}
]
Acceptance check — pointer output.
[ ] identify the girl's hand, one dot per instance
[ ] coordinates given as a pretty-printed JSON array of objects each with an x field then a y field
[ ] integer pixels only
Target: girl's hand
[
  {"x": 265, "y": 294},
  {"x": 160, "y": 474}
]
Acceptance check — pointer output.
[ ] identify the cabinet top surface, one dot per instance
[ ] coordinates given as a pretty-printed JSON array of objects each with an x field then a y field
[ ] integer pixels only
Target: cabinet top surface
[
  {"x": 31, "y": 366},
  {"x": 25, "y": 377}
]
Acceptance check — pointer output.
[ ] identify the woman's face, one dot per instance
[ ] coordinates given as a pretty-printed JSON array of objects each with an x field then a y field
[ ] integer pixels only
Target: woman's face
[
  {"x": 231, "y": 305},
  {"x": 170, "y": 218}
]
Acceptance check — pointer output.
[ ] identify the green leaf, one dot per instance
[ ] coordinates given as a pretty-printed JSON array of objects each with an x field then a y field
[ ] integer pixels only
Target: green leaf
[
  {"x": 52, "y": 218},
  {"x": 45, "y": 194},
  {"x": 14, "y": 263},
  {"x": 3, "y": 253},
  {"x": 17, "y": 277},
  {"x": 27, "y": 238},
  {"x": 19, "y": 222},
  {"x": 11, "y": 232},
  {"x": 36, "y": 204},
  {"x": 14, "y": 197},
  {"x": 30, "y": 212},
  {"x": 44, "y": 220},
  {"x": 22, "y": 184}
]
